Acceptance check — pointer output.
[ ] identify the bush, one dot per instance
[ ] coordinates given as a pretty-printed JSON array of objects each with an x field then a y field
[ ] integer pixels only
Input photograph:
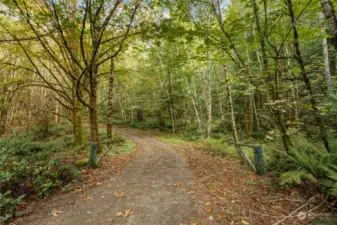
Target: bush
[
  {"x": 216, "y": 147},
  {"x": 305, "y": 161},
  {"x": 29, "y": 168},
  {"x": 191, "y": 133},
  {"x": 8, "y": 206}
]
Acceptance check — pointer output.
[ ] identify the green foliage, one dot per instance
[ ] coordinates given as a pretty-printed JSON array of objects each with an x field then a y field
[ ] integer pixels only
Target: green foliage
[
  {"x": 216, "y": 147},
  {"x": 81, "y": 162},
  {"x": 28, "y": 167},
  {"x": 124, "y": 145},
  {"x": 8, "y": 205},
  {"x": 173, "y": 140},
  {"x": 296, "y": 177},
  {"x": 306, "y": 161},
  {"x": 191, "y": 133}
]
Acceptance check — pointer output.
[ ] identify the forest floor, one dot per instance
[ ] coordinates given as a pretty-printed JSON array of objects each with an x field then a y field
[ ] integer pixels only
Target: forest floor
[{"x": 174, "y": 184}]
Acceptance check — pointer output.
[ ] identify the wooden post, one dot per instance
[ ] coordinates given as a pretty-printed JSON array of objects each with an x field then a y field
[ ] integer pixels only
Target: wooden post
[
  {"x": 259, "y": 160},
  {"x": 92, "y": 155}
]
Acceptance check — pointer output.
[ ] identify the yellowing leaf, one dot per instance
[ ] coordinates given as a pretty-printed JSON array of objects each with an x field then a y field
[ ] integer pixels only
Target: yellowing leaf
[
  {"x": 128, "y": 212},
  {"x": 192, "y": 223},
  {"x": 55, "y": 212},
  {"x": 244, "y": 222},
  {"x": 119, "y": 194},
  {"x": 208, "y": 209},
  {"x": 91, "y": 197}
]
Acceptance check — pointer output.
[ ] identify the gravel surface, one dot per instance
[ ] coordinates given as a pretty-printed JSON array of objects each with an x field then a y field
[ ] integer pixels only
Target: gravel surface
[{"x": 151, "y": 190}]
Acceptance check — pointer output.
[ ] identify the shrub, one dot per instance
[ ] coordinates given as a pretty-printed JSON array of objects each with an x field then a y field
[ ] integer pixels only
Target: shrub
[
  {"x": 8, "y": 206},
  {"x": 306, "y": 161},
  {"x": 29, "y": 168},
  {"x": 214, "y": 147}
]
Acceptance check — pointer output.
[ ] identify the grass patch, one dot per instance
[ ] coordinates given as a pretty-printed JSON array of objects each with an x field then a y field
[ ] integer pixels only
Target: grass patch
[
  {"x": 173, "y": 140},
  {"x": 125, "y": 146}
]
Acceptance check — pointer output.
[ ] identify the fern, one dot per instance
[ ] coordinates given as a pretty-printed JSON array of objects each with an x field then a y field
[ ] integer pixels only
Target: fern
[
  {"x": 296, "y": 177},
  {"x": 313, "y": 164}
]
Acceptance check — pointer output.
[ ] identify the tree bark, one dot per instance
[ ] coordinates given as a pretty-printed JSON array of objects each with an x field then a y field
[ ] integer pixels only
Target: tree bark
[
  {"x": 209, "y": 100},
  {"x": 231, "y": 112},
  {"x": 94, "y": 135},
  {"x": 326, "y": 63},
  {"x": 319, "y": 119},
  {"x": 194, "y": 105},
  {"x": 110, "y": 97},
  {"x": 331, "y": 18}
]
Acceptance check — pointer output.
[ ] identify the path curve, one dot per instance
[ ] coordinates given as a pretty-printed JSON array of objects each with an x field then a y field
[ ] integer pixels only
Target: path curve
[{"x": 155, "y": 186}]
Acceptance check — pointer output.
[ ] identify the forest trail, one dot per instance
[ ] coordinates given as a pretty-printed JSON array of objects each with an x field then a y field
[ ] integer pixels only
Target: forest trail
[{"x": 153, "y": 190}]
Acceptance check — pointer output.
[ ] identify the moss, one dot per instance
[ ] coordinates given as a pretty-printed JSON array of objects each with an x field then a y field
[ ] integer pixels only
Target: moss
[{"x": 81, "y": 162}]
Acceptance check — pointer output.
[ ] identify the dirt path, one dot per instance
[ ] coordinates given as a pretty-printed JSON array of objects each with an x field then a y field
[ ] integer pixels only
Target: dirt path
[{"x": 155, "y": 188}]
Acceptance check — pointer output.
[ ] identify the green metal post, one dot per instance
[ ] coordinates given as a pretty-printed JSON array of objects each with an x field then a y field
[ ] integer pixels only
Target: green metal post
[
  {"x": 92, "y": 155},
  {"x": 259, "y": 160}
]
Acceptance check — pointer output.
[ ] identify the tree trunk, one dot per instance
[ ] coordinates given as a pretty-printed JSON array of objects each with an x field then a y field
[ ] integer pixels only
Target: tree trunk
[
  {"x": 194, "y": 105},
  {"x": 320, "y": 121},
  {"x": 326, "y": 63},
  {"x": 209, "y": 100},
  {"x": 256, "y": 115},
  {"x": 94, "y": 135},
  {"x": 169, "y": 96},
  {"x": 110, "y": 97},
  {"x": 171, "y": 112},
  {"x": 231, "y": 112},
  {"x": 331, "y": 18},
  {"x": 78, "y": 128},
  {"x": 249, "y": 114}
]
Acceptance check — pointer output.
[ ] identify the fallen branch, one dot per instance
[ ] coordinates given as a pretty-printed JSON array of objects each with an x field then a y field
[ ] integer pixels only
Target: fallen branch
[{"x": 291, "y": 214}]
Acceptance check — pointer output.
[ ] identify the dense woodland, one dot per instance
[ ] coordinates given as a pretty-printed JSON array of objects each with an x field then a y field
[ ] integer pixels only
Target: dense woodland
[{"x": 243, "y": 71}]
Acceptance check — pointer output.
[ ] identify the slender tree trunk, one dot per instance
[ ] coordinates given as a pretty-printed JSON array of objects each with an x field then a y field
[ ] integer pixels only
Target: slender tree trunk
[
  {"x": 231, "y": 112},
  {"x": 320, "y": 120},
  {"x": 249, "y": 114},
  {"x": 326, "y": 63},
  {"x": 209, "y": 100},
  {"x": 194, "y": 104},
  {"x": 331, "y": 17},
  {"x": 170, "y": 103},
  {"x": 77, "y": 120},
  {"x": 57, "y": 112},
  {"x": 94, "y": 135},
  {"x": 256, "y": 115},
  {"x": 110, "y": 97}
]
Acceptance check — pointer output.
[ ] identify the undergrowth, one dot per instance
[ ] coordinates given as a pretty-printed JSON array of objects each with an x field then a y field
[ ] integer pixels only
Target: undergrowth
[{"x": 31, "y": 169}]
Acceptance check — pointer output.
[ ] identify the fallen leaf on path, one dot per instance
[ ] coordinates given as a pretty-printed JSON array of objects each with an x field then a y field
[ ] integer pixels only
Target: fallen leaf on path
[
  {"x": 98, "y": 183},
  {"x": 192, "y": 223},
  {"x": 109, "y": 220},
  {"x": 119, "y": 194},
  {"x": 208, "y": 209},
  {"x": 91, "y": 197},
  {"x": 127, "y": 212},
  {"x": 55, "y": 212},
  {"x": 109, "y": 185},
  {"x": 244, "y": 222}
]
